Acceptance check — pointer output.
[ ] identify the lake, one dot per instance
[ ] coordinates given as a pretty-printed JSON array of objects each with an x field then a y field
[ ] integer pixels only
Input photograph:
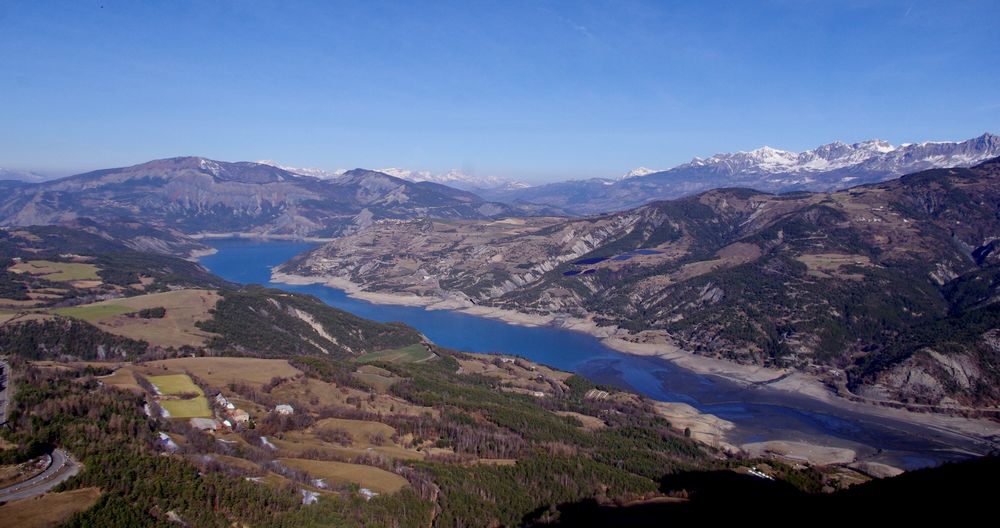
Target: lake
[{"x": 759, "y": 413}]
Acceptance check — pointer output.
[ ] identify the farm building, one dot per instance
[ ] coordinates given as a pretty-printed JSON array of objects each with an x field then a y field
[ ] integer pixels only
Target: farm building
[
  {"x": 204, "y": 424},
  {"x": 221, "y": 400},
  {"x": 284, "y": 408},
  {"x": 240, "y": 416}
]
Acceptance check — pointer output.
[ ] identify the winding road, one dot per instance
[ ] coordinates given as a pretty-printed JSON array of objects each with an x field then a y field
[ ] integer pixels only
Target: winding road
[{"x": 61, "y": 467}]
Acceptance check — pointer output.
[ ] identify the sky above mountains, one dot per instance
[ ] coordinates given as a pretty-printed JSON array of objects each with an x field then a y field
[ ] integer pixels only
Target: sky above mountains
[{"x": 527, "y": 90}]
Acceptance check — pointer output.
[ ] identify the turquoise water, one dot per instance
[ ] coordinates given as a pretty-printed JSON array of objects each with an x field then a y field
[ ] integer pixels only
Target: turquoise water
[{"x": 759, "y": 413}]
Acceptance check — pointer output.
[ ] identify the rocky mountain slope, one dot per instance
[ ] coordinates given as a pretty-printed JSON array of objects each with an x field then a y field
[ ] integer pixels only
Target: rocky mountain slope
[
  {"x": 826, "y": 168},
  {"x": 198, "y": 196},
  {"x": 888, "y": 289}
]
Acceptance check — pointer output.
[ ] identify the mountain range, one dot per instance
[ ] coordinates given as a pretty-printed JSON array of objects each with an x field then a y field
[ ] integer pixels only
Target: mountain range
[
  {"x": 198, "y": 196},
  {"x": 889, "y": 291},
  {"x": 453, "y": 178},
  {"x": 21, "y": 175},
  {"x": 829, "y": 167}
]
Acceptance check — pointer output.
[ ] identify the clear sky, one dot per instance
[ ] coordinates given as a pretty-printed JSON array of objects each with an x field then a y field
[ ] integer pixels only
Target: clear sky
[{"x": 530, "y": 90}]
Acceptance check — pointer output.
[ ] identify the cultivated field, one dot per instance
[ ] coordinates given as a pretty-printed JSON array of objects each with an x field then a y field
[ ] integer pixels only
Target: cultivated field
[
  {"x": 520, "y": 376},
  {"x": 379, "y": 378},
  {"x": 315, "y": 394},
  {"x": 373, "y": 478},
  {"x": 58, "y": 271},
  {"x": 220, "y": 371},
  {"x": 408, "y": 354},
  {"x": 174, "y": 384},
  {"x": 122, "y": 378},
  {"x": 825, "y": 265},
  {"x": 192, "y": 408},
  {"x": 93, "y": 312},
  {"x": 361, "y": 431},
  {"x": 50, "y": 509},
  {"x": 177, "y": 328}
]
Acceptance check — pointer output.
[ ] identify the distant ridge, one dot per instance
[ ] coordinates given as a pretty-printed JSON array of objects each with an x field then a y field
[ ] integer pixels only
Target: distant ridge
[
  {"x": 832, "y": 166},
  {"x": 196, "y": 196}
]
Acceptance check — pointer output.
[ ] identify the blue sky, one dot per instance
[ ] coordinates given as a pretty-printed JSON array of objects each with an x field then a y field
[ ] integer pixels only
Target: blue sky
[{"x": 529, "y": 90}]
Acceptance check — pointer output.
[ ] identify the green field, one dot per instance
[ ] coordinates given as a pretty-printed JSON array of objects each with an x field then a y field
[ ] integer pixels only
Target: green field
[
  {"x": 174, "y": 384},
  {"x": 408, "y": 354},
  {"x": 193, "y": 408},
  {"x": 93, "y": 312},
  {"x": 58, "y": 271}
]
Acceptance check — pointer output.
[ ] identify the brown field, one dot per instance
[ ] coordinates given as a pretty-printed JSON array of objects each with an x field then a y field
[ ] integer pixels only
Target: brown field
[
  {"x": 496, "y": 461},
  {"x": 296, "y": 443},
  {"x": 177, "y": 328},
  {"x": 373, "y": 478},
  {"x": 15, "y": 304},
  {"x": 22, "y": 317},
  {"x": 361, "y": 431},
  {"x": 379, "y": 378},
  {"x": 221, "y": 371},
  {"x": 50, "y": 509},
  {"x": 590, "y": 423},
  {"x": 825, "y": 265},
  {"x": 58, "y": 271},
  {"x": 122, "y": 378},
  {"x": 523, "y": 380},
  {"x": 314, "y": 394}
]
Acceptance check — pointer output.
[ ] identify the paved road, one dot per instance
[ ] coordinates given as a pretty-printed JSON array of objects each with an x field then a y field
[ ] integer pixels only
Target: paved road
[{"x": 62, "y": 468}]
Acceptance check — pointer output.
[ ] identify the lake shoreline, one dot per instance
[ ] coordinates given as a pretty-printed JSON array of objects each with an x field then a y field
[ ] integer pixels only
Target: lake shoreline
[{"x": 784, "y": 380}]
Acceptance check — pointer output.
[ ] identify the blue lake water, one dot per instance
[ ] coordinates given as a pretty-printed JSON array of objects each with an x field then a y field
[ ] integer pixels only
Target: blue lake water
[{"x": 759, "y": 413}]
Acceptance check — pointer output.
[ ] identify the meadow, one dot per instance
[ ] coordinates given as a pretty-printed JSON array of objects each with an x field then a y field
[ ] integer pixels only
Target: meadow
[
  {"x": 58, "y": 271},
  {"x": 373, "y": 478},
  {"x": 408, "y": 354}
]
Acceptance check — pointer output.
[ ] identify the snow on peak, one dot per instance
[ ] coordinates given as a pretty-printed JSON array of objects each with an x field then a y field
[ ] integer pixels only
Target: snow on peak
[
  {"x": 21, "y": 175},
  {"x": 453, "y": 178},
  {"x": 874, "y": 154},
  {"x": 456, "y": 178},
  {"x": 322, "y": 174},
  {"x": 641, "y": 171}
]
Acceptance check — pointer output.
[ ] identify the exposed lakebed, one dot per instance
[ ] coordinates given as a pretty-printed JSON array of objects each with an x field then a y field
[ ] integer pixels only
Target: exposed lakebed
[{"x": 759, "y": 413}]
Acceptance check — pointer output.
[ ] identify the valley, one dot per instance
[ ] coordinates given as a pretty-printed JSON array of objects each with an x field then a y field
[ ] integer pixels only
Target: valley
[
  {"x": 835, "y": 285},
  {"x": 405, "y": 369},
  {"x": 795, "y": 408},
  {"x": 498, "y": 264}
]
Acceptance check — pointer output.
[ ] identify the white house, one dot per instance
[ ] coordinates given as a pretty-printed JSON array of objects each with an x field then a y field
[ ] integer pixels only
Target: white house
[{"x": 284, "y": 408}]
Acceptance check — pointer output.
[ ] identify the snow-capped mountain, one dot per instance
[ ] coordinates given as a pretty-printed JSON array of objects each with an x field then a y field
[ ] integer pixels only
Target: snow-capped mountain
[
  {"x": 323, "y": 174},
  {"x": 833, "y": 166},
  {"x": 641, "y": 171},
  {"x": 868, "y": 156},
  {"x": 456, "y": 178},
  {"x": 453, "y": 178},
  {"x": 20, "y": 175}
]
